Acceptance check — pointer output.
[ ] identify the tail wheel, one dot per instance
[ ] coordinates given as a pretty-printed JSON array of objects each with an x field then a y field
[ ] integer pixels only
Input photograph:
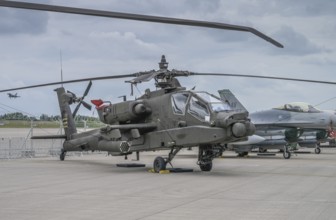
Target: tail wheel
[
  {"x": 159, "y": 164},
  {"x": 62, "y": 155}
]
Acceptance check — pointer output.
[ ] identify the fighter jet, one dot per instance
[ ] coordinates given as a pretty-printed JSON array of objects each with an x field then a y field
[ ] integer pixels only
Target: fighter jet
[
  {"x": 10, "y": 95},
  {"x": 282, "y": 127}
]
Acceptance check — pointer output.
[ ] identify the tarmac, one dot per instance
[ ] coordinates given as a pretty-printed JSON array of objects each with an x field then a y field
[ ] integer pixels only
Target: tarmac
[{"x": 93, "y": 187}]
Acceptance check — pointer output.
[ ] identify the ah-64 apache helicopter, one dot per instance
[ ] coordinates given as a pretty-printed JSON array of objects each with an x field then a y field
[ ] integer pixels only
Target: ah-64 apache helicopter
[{"x": 168, "y": 118}]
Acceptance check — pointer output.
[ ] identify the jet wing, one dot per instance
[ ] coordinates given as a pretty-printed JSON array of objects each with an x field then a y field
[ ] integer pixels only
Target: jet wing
[{"x": 301, "y": 124}]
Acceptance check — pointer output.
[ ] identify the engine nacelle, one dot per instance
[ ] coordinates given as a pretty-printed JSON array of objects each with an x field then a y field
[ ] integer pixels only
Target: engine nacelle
[{"x": 124, "y": 112}]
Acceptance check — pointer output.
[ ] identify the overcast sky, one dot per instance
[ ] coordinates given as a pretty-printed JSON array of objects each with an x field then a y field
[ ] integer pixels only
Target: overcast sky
[{"x": 31, "y": 42}]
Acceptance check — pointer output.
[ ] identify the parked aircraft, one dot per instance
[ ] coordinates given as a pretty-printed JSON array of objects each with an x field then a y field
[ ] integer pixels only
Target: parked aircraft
[{"x": 283, "y": 126}]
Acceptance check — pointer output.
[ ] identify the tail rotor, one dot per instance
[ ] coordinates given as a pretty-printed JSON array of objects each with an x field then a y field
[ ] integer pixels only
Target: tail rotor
[{"x": 80, "y": 100}]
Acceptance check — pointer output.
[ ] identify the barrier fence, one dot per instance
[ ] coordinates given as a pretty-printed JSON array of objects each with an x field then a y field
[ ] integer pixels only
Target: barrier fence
[{"x": 21, "y": 147}]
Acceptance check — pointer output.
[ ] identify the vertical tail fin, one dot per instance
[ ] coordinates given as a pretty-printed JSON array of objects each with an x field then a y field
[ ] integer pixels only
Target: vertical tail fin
[
  {"x": 67, "y": 119},
  {"x": 227, "y": 97}
]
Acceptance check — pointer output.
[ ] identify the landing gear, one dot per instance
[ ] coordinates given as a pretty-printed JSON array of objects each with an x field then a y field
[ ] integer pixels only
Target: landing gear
[
  {"x": 242, "y": 154},
  {"x": 206, "y": 167},
  {"x": 262, "y": 150},
  {"x": 160, "y": 163},
  {"x": 206, "y": 154},
  {"x": 286, "y": 152},
  {"x": 62, "y": 155},
  {"x": 317, "y": 148}
]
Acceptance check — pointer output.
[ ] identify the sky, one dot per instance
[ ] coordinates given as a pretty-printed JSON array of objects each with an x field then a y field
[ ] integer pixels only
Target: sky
[{"x": 31, "y": 43}]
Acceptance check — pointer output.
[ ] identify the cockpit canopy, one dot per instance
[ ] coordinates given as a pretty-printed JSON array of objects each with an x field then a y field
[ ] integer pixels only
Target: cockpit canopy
[
  {"x": 298, "y": 107},
  {"x": 215, "y": 103},
  {"x": 200, "y": 104}
]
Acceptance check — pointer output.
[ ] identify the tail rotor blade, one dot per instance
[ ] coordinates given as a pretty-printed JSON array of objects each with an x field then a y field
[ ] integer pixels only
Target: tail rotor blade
[
  {"x": 87, "y": 89},
  {"x": 87, "y": 105},
  {"x": 76, "y": 110}
]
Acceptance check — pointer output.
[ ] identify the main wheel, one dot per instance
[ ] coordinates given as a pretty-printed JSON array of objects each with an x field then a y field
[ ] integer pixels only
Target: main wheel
[
  {"x": 242, "y": 154},
  {"x": 159, "y": 164},
  {"x": 317, "y": 150},
  {"x": 286, "y": 154},
  {"x": 206, "y": 167},
  {"x": 262, "y": 150}
]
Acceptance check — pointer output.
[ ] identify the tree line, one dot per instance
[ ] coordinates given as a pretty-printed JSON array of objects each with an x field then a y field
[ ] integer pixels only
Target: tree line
[{"x": 42, "y": 117}]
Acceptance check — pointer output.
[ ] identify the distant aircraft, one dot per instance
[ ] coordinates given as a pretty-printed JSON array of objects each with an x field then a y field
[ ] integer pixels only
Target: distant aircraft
[
  {"x": 291, "y": 124},
  {"x": 10, "y": 95}
]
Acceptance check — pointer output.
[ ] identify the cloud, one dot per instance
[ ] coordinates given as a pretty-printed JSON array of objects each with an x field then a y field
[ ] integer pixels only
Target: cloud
[
  {"x": 16, "y": 21},
  {"x": 295, "y": 43}
]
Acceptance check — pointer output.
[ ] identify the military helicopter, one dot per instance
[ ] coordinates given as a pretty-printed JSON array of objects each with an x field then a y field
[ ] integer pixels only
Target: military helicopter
[{"x": 168, "y": 118}]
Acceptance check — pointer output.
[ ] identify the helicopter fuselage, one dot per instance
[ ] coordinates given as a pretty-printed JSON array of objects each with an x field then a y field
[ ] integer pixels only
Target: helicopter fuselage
[{"x": 166, "y": 119}]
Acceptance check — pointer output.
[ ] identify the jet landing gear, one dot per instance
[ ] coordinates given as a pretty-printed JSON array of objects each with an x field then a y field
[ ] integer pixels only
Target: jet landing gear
[
  {"x": 206, "y": 154},
  {"x": 317, "y": 148},
  {"x": 160, "y": 163},
  {"x": 286, "y": 152},
  {"x": 62, "y": 155}
]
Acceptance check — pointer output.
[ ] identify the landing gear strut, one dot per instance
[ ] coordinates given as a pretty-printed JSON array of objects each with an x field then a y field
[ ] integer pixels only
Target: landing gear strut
[{"x": 160, "y": 163}]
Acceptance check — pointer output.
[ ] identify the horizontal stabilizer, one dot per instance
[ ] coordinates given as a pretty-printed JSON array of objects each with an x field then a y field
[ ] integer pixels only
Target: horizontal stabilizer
[{"x": 49, "y": 137}]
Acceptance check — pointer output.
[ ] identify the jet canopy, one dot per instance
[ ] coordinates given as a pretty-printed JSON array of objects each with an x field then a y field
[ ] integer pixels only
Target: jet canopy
[{"x": 298, "y": 107}]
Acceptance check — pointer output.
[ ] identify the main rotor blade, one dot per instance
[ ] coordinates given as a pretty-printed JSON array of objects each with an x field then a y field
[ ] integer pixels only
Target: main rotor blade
[
  {"x": 263, "y": 77},
  {"x": 138, "y": 17},
  {"x": 190, "y": 73},
  {"x": 73, "y": 81}
]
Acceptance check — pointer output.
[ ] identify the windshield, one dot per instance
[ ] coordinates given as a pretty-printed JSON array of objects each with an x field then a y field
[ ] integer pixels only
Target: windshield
[{"x": 215, "y": 103}]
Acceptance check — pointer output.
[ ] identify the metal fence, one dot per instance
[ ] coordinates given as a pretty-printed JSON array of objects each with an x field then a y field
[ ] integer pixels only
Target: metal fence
[{"x": 22, "y": 147}]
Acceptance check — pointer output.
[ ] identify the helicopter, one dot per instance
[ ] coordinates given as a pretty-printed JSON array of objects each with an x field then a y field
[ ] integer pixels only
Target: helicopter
[{"x": 168, "y": 118}]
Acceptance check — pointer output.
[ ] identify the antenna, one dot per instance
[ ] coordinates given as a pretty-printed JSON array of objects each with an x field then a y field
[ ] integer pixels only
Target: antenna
[{"x": 61, "y": 67}]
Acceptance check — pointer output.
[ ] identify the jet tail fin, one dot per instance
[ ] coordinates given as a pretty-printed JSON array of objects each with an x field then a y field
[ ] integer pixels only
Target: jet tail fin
[{"x": 227, "y": 96}]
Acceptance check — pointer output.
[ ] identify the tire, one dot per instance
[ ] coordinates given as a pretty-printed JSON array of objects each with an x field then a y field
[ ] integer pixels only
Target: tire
[
  {"x": 286, "y": 154},
  {"x": 159, "y": 164},
  {"x": 261, "y": 150},
  {"x": 242, "y": 154},
  {"x": 206, "y": 167},
  {"x": 317, "y": 150},
  {"x": 62, "y": 155}
]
